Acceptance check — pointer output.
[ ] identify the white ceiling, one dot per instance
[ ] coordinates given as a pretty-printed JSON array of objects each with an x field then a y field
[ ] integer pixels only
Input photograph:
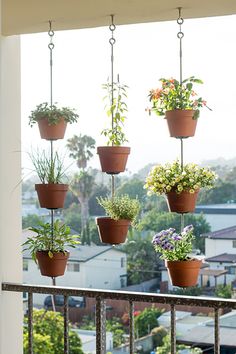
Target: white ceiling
[{"x": 28, "y": 16}]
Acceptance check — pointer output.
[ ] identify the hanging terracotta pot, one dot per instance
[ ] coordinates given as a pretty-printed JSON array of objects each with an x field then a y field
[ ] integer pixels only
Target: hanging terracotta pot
[
  {"x": 181, "y": 123},
  {"x": 113, "y": 159},
  {"x": 53, "y": 131},
  {"x": 184, "y": 273},
  {"x": 51, "y": 196},
  {"x": 112, "y": 231},
  {"x": 52, "y": 267},
  {"x": 182, "y": 203}
]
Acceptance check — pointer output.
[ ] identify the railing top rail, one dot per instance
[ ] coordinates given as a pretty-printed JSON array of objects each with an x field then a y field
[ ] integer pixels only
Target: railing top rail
[{"x": 123, "y": 295}]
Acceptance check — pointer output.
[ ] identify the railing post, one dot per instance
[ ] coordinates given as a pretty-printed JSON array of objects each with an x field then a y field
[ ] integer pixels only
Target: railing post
[
  {"x": 217, "y": 332},
  {"x": 131, "y": 327},
  {"x": 30, "y": 322},
  {"x": 173, "y": 329},
  {"x": 100, "y": 326},
  {"x": 66, "y": 325}
]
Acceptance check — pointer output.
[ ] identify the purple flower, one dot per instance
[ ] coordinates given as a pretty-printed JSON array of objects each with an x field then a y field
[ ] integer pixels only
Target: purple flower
[
  {"x": 176, "y": 237},
  {"x": 187, "y": 229}
]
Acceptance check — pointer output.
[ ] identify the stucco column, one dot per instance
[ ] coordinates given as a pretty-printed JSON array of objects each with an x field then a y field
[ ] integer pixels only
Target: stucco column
[{"x": 10, "y": 195}]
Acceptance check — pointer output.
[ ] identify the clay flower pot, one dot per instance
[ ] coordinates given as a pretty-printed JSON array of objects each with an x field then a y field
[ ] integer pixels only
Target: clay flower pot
[
  {"x": 182, "y": 203},
  {"x": 112, "y": 231},
  {"x": 181, "y": 123},
  {"x": 52, "y": 267},
  {"x": 51, "y": 196},
  {"x": 184, "y": 273},
  {"x": 113, "y": 159},
  {"x": 53, "y": 131}
]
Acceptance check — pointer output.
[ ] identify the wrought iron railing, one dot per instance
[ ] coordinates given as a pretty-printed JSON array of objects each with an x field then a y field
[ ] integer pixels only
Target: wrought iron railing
[{"x": 101, "y": 295}]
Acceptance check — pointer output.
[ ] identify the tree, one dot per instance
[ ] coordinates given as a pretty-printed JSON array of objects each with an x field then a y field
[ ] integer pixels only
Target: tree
[
  {"x": 166, "y": 347},
  {"x": 147, "y": 320},
  {"x": 72, "y": 217},
  {"x": 154, "y": 221},
  {"x": 81, "y": 149},
  {"x": 48, "y": 334},
  {"x": 224, "y": 291},
  {"x": 30, "y": 220}
]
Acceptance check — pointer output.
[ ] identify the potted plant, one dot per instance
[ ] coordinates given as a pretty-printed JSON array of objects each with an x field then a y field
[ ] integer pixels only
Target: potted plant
[
  {"x": 122, "y": 211},
  {"x": 48, "y": 247},
  {"x": 180, "y": 105},
  {"x": 175, "y": 249},
  {"x": 113, "y": 157},
  {"x": 52, "y": 120},
  {"x": 51, "y": 191},
  {"x": 179, "y": 183}
]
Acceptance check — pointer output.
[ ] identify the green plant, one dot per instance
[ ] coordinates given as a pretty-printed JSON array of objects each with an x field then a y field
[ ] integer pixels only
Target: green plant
[
  {"x": 166, "y": 347},
  {"x": 174, "y": 177},
  {"x": 174, "y": 95},
  {"x": 174, "y": 246},
  {"x": 224, "y": 291},
  {"x": 147, "y": 320},
  {"x": 52, "y": 240},
  {"x": 53, "y": 114},
  {"x": 49, "y": 169},
  {"x": 116, "y": 107},
  {"x": 120, "y": 207}
]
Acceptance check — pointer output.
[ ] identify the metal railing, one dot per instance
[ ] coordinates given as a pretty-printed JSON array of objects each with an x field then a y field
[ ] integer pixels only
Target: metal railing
[{"x": 101, "y": 295}]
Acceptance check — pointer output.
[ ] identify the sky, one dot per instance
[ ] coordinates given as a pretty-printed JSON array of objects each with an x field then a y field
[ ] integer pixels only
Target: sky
[{"x": 143, "y": 54}]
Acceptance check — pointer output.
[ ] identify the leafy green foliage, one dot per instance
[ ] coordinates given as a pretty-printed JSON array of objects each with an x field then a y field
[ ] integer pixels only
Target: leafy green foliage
[
  {"x": 43, "y": 240},
  {"x": 224, "y": 291},
  {"x": 49, "y": 170},
  {"x": 147, "y": 320},
  {"x": 174, "y": 95},
  {"x": 121, "y": 207},
  {"x": 30, "y": 220},
  {"x": 116, "y": 109},
  {"x": 80, "y": 148},
  {"x": 71, "y": 216},
  {"x": 166, "y": 347},
  {"x": 158, "y": 334},
  {"x": 190, "y": 291},
  {"x": 48, "y": 334},
  {"x": 53, "y": 114}
]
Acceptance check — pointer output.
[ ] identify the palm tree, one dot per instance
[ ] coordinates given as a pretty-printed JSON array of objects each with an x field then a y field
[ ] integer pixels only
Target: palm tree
[{"x": 81, "y": 149}]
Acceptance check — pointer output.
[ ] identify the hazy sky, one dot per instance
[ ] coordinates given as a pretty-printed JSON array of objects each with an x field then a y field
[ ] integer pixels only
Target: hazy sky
[{"x": 143, "y": 54}]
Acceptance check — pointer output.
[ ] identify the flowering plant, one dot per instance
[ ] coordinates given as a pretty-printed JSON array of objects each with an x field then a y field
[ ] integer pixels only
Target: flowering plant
[
  {"x": 189, "y": 177},
  {"x": 174, "y": 246},
  {"x": 174, "y": 95}
]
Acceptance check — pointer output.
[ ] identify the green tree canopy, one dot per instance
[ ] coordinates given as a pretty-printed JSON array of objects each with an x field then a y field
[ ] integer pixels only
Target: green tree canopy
[
  {"x": 30, "y": 220},
  {"x": 147, "y": 320}
]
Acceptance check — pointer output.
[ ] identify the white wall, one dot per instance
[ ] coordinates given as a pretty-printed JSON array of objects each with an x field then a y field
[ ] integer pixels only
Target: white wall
[
  {"x": 215, "y": 247},
  {"x": 11, "y": 306}
]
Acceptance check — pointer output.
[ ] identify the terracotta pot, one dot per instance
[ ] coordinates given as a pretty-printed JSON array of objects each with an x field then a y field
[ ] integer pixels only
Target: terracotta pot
[
  {"x": 182, "y": 203},
  {"x": 113, "y": 159},
  {"x": 183, "y": 273},
  {"x": 181, "y": 123},
  {"x": 51, "y": 196},
  {"x": 112, "y": 231},
  {"x": 53, "y": 131},
  {"x": 52, "y": 267}
]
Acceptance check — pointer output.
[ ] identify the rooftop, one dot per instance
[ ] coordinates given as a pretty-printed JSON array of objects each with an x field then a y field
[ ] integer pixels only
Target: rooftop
[
  {"x": 224, "y": 258},
  {"x": 229, "y": 233}
]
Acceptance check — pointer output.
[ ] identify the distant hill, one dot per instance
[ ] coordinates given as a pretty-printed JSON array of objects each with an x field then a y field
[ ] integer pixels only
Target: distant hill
[{"x": 220, "y": 161}]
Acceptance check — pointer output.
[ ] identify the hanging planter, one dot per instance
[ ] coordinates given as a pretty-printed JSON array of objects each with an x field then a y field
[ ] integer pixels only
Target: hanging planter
[
  {"x": 184, "y": 273},
  {"x": 122, "y": 211},
  {"x": 180, "y": 183},
  {"x": 181, "y": 123},
  {"x": 175, "y": 249},
  {"x": 183, "y": 202},
  {"x": 51, "y": 196},
  {"x": 52, "y": 266},
  {"x": 112, "y": 231},
  {"x": 179, "y": 104},
  {"x": 113, "y": 159},
  {"x": 48, "y": 245},
  {"x": 52, "y": 121}
]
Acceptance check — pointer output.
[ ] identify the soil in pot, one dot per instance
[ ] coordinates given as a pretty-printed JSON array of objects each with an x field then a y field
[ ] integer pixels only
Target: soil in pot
[
  {"x": 184, "y": 273},
  {"x": 51, "y": 196},
  {"x": 112, "y": 231},
  {"x": 52, "y": 267},
  {"x": 113, "y": 159},
  {"x": 53, "y": 131},
  {"x": 182, "y": 203},
  {"x": 181, "y": 123}
]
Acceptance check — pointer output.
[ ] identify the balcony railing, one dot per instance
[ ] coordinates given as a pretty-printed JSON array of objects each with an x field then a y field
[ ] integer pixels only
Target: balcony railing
[{"x": 101, "y": 295}]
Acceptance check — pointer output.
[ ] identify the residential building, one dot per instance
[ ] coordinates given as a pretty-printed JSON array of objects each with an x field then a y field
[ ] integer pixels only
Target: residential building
[{"x": 219, "y": 216}]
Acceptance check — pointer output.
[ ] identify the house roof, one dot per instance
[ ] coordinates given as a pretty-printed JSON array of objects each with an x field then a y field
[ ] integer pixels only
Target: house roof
[
  {"x": 228, "y": 233},
  {"x": 81, "y": 253},
  {"x": 224, "y": 258}
]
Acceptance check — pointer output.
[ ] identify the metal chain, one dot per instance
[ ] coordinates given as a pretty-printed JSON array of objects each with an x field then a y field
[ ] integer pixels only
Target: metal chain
[{"x": 180, "y": 35}]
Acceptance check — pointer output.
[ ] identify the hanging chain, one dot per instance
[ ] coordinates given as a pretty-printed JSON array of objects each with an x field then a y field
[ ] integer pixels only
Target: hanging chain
[
  {"x": 112, "y": 42},
  {"x": 180, "y": 35},
  {"x": 51, "y": 47}
]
